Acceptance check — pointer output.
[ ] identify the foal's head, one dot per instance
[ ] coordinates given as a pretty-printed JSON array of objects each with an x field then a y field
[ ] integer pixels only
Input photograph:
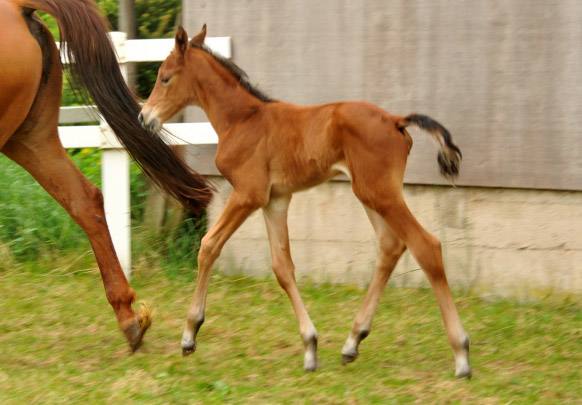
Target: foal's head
[
  {"x": 172, "y": 91},
  {"x": 188, "y": 74}
]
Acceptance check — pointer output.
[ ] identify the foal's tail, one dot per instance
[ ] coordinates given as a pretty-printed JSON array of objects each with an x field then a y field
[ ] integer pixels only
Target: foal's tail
[
  {"x": 96, "y": 69},
  {"x": 449, "y": 155}
]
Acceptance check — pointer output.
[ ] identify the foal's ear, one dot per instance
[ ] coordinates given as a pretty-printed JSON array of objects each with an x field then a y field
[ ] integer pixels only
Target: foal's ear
[
  {"x": 181, "y": 40},
  {"x": 198, "y": 39}
]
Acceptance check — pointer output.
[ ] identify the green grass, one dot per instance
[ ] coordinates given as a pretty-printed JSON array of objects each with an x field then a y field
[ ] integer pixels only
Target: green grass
[{"x": 59, "y": 343}]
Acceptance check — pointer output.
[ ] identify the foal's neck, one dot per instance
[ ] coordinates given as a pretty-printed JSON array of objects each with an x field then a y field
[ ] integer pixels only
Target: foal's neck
[{"x": 223, "y": 99}]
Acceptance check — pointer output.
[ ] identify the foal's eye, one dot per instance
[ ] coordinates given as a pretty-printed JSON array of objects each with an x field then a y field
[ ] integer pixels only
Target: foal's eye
[{"x": 165, "y": 80}]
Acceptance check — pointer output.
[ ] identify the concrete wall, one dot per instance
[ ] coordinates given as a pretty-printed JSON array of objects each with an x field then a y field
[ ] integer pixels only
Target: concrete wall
[{"x": 507, "y": 242}]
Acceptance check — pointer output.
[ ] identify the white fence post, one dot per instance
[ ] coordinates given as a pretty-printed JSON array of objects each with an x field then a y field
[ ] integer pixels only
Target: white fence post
[
  {"x": 115, "y": 188},
  {"x": 115, "y": 183}
]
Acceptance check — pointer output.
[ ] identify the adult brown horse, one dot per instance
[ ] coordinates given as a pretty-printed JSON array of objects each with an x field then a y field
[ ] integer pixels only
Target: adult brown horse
[
  {"x": 267, "y": 150},
  {"x": 30, "y": 96}
]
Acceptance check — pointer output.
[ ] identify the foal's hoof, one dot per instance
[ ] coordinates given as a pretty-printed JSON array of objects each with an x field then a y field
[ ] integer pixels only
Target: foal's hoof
[
  {"x": 137, "y": 327},
  {"x": 311, "y": 363},
  {"x": 348, "y": 358},
  {"x": 464, "y": 372},
  {"x": 188, "y": 350}
]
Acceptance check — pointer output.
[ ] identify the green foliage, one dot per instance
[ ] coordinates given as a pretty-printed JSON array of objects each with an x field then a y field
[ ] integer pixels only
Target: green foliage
[
  {"x": 154, "y": 19},
  {"x": 182, "y": 244},
  {"x": 51, "y": 23},
  {"x": 110, "y": 9}
]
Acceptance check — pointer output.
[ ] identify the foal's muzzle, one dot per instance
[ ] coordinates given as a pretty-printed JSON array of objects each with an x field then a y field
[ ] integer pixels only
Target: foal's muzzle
[{"x": 152, "y": 124}]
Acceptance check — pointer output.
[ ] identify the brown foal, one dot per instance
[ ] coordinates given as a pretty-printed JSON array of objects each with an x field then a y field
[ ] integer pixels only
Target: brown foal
[
  {"x": 30, "y": 96},
  {"x": 268, "y": 150}
]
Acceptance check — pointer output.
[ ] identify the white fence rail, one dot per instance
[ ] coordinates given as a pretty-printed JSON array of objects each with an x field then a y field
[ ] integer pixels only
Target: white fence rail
[{"x": 114, "y": 160}]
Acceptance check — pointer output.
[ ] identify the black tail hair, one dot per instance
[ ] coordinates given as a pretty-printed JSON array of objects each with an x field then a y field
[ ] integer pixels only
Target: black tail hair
[{"x": 449, "y": 155}]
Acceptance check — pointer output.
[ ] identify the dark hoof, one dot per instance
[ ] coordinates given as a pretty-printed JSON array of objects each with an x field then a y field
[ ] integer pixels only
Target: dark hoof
[
  {"x": 187, "y": 351},
  {"x": 348, "y": 358},
  {"x": 135, "y": 329}
]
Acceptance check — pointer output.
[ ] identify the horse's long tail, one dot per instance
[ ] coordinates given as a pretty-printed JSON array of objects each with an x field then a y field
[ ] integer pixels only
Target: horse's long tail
[
  {"x": 449, "y": 156},
  {"x": 96, "y": 69}
]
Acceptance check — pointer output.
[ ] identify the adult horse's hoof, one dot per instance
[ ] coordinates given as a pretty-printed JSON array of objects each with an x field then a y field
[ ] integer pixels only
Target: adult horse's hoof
[
  {"x": 135, "y": 329},
  {"x": 188, "y": 350}
]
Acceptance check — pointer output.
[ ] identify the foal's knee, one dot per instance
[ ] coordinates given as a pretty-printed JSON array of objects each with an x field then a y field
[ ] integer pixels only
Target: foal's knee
[{"x": 285, "y": 273}]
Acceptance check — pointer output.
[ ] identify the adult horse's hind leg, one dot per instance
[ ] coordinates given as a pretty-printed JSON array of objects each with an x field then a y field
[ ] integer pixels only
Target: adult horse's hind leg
[
  {"x": 41, "y": 154},
  {"x": 390, "y": 248},
  {"x": 275, "y": 214}
]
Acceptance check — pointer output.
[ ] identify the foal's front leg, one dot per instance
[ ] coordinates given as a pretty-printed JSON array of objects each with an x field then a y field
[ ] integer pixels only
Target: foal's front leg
[
  {"x": 275, "y": 214},
  {"x": 236, "y": 211}
]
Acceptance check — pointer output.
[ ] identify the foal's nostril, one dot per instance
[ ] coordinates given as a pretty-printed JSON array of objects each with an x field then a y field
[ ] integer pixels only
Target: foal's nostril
[{"x": 153, "y": 126}]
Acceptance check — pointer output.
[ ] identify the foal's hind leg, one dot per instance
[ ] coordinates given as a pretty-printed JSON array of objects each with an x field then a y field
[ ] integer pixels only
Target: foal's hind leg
[
  {"x": 42, "y": 155},
  {"x": 426, "y": 249},
  {"x": 390, "y": 248},
  {"x": 275, "y": 214}
]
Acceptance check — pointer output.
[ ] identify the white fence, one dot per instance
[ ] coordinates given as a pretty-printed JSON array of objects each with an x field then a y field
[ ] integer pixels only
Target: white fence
[{"x": 114, "y": 160}]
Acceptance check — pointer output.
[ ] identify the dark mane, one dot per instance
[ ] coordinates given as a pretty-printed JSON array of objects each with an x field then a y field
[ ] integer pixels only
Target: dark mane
[{"x": 237, "y": 72}]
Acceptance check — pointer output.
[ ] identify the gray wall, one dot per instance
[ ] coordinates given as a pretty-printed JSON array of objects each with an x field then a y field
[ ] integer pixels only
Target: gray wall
[{"x": 504, "y": 76}]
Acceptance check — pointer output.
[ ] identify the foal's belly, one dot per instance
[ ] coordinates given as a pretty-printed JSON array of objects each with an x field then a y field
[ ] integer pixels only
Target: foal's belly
[{"x": 292, "y": 180}]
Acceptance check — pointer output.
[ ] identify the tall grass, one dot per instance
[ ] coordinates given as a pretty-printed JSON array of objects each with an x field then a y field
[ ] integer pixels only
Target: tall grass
[{"x": 32, "y": 224}]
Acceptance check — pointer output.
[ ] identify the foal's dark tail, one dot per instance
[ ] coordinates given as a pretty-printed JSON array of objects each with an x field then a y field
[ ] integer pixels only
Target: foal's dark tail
[
  {"x": 449, "y": 156},
  {"x": 96, "y": 69}
]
